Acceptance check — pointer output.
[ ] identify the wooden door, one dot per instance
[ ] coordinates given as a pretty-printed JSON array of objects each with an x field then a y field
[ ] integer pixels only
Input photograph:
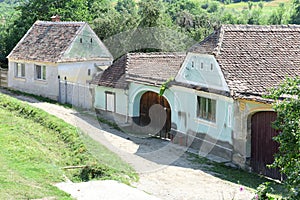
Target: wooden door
[
  {"x": 147, "y": 101},
  {"x": 263, "y": 147}
]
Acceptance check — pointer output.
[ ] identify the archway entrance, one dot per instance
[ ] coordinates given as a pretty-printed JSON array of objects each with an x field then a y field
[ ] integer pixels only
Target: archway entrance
[
  {"x": 263, "y": 147},
  {"x": 148, "y": 100}
]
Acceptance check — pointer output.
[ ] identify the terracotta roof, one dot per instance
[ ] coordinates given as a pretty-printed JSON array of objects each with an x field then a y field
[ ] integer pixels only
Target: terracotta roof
[
  {"x": 254, "y": 58},
  {"x": 113, "y": 76},
  {"x": 145, "y": 68},
  {"x": 46, "y": 41},
  {"x": 153, "y": 68}
]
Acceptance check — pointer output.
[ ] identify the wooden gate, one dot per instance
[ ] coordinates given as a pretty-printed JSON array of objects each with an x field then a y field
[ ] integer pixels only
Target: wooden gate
[
  {"x": 149, "y": 99},
  {"x": 263, "y": 147}
]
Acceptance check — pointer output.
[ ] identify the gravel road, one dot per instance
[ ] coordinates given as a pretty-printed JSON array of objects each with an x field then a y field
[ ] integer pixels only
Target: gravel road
[{"x": 166, "y": 171}]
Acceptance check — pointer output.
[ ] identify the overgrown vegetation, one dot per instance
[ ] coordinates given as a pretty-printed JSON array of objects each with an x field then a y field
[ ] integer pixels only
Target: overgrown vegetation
[
  {"x": 35, "y": 146},
  {"x": 287, "y": 106},
  {"x": 192, "y": 18}
]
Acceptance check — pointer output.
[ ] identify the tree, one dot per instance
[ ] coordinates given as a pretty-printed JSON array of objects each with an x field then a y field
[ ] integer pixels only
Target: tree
[
  {"x": 30, "y": 11},
  {"x": 287, "y": 106},
  {"x": 278, "y": 16},
  {"x": 151, "y": 13},
  {"x": 295, "y": 17}
]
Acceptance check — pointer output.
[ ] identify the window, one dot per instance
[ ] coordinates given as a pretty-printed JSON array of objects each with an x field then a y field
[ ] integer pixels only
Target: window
[
  {"x": 40, "y": 72},
  {"x": 110, "y": 101},
  {"x": 89, "y": 72},
  {"x": 20, "y": 70},
  {"x": 206, "y": 108}
]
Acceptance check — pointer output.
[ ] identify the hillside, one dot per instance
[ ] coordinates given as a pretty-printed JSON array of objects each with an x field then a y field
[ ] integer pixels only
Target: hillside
[{"x": 34, "y": 148}]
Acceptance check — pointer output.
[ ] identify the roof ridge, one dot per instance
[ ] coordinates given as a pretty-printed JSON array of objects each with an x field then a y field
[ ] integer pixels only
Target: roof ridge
[
  {"x": 149, "y": 54},
  {"x": 60, "y": 23},
  {"x": 220, "y": 37},
  {"x": 250, "y": 27}
]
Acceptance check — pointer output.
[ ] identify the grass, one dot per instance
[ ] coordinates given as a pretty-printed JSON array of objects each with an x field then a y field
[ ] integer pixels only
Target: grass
[
  {"x": 268, "y": 6},
  {"x": 250, "y": 180},
  {"x": 37, "y": 97},
  {"x": 35, "y": 146}
]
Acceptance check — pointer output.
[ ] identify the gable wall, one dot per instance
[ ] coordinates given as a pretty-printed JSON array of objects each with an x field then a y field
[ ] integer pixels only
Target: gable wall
[
  {"x": 87, "y": 46},
  {"x": 202, "y": 70}
]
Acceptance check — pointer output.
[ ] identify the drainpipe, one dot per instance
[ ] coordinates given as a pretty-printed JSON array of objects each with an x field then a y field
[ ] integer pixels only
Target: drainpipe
[
  {"x": 59, "y": 90},
  {"x": 127, "y": 105}
]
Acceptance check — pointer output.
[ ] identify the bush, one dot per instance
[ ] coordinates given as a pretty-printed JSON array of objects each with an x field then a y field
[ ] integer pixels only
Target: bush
[{"x": 287, "y": 106}]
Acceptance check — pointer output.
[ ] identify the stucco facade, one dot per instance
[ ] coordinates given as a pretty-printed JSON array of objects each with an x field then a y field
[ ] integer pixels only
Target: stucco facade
[{"x": 29, "y": 83}]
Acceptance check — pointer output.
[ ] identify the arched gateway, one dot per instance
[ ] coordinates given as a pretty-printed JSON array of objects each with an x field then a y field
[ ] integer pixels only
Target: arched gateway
[{"x": 148, "y": 100}]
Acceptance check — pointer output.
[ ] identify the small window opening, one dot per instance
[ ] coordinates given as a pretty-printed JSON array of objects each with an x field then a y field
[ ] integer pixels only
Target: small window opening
[
  {"x": 80, "y": 40},
  {"x": 91, "y": 40},
  {"x": 192, "y": 64},
  {"x": 211, "y": 67},
  {"x": 89, "y": 72},
  {"x": 201, "y": 65}
]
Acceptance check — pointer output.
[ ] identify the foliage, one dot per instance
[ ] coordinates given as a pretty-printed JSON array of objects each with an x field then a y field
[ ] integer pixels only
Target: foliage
[
  {"x": 295, "y": 18},
  {"x": 164, "y": 86},
  {"x": 287, "y": 105},
  {"x": 196, "y": 19},
  {"x": 263, "y": 192}
]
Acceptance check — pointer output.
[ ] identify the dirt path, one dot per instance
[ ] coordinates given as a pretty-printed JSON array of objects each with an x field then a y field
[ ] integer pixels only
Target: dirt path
[{"x": 166, "y": 170}]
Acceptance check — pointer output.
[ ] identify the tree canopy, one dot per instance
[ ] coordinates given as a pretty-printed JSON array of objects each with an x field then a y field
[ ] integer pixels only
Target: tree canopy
[{"x": 196, "y": 19}]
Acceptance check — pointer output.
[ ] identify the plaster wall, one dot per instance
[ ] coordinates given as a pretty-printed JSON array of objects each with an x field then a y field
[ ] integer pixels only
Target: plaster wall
[{"x": 47, "y": 88}]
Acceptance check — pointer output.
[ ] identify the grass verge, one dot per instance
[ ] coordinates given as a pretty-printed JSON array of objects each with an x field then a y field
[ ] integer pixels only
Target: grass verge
[{"x": 35, "y": 146}]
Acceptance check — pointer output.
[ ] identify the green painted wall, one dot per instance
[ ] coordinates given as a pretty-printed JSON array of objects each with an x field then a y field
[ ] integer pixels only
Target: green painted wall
[
  {"x": 183, "y": 102},
  {"x": 121, "y": 99},
  {"x": 202, "y": 70},
  {"x": 87, "y": 45}
]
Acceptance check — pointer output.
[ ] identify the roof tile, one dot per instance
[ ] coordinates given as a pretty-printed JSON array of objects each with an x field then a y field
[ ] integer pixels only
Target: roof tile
[{"x": 254, "y": 58}]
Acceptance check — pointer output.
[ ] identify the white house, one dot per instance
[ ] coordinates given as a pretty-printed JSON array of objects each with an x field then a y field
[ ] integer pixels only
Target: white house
[{"x": 53, "y": 51}]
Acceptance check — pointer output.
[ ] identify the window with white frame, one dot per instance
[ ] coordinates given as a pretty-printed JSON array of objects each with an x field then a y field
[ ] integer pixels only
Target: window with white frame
[
  {"x": 40, "y": 72},
  {"x": 206, "y": 108},
  {"x": 110, "y": 101},
  {"x": 20, "y": 70}
]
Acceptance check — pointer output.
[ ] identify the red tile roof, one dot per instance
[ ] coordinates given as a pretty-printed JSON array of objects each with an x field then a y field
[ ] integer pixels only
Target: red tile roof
[
  {"x": 145, "y": 68},
  {"x": 46, "y": 41},
  {"x": 254, "y": 58}
]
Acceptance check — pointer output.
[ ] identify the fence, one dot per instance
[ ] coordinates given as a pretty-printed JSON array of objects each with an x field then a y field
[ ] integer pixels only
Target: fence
[
  {"x": 3, "y": 77},
  {"x": 76, "y": 94}
]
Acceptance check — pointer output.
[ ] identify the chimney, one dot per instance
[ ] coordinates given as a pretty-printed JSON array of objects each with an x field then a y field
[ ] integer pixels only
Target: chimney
[{"x": 55, "y": 18}]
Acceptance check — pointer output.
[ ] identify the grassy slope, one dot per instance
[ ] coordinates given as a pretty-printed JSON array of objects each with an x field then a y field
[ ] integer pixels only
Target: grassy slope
[{"x": 32, "y": 154}]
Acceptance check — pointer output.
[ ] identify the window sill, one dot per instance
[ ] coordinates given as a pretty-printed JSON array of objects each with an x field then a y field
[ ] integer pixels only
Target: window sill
[
  {"x": 206, "y": 122},
  {"x": 40, "y": 81},
  {"x": 20, "y": 79}
]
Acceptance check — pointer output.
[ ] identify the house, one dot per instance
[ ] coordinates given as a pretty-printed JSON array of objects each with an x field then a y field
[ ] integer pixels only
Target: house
[
  {"x": 54, "y": 51},
  {"x": 215, "y": 103}
]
